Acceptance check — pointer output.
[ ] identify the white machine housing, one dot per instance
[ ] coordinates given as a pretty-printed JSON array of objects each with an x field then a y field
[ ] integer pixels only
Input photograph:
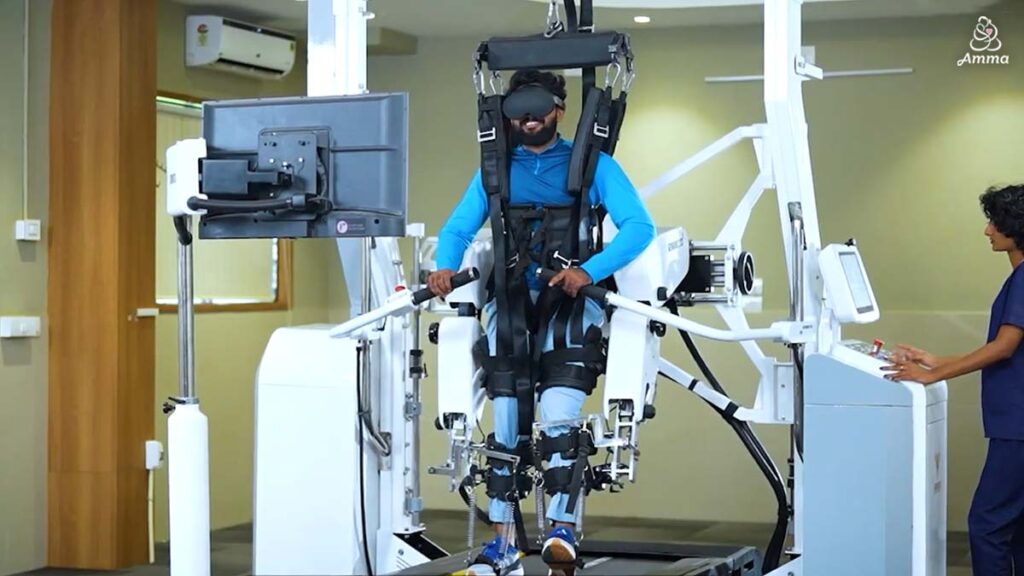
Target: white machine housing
[
  {"x": 183, "y": 175},
  {"x": 663, "y": 264},
  {"x": 459, "y": 377},
  {"x": 303, "y": 499},
  {"x": 238, "y": 47},
  {"x": 875, "y": 468}
]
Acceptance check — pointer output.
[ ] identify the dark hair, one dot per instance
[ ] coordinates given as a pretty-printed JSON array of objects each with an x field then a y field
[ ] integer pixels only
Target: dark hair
[
  {"x": 550, "y": 82},
  {"x": 1004, "y": 208}
]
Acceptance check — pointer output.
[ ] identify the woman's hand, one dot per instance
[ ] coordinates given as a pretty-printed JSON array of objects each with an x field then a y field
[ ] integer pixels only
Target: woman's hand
[
  {"x": 910, "y": 371},
  {"x": 908, "y": 354}
]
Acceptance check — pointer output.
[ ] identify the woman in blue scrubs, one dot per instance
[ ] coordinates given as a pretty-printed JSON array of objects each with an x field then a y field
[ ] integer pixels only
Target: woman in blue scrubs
[{"x": 996, "y": 520}]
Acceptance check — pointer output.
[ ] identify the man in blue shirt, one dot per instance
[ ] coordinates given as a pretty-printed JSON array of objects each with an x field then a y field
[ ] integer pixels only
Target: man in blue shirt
[
  {"x": 538, "y": 178},
  {"x": 996, "y": 520}
]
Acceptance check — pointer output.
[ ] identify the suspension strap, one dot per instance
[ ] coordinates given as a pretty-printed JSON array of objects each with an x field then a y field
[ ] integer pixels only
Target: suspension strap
[
  {"x": 572, "y": 22},
  {"x": 586, "y": 16},
  {"x": 586, "y": 26}
]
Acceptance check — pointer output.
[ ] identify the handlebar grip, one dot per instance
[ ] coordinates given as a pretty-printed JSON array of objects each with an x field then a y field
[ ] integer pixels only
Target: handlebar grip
[
  {"x": 461, "y": 279},
  {"x": 591, "y": 291}
]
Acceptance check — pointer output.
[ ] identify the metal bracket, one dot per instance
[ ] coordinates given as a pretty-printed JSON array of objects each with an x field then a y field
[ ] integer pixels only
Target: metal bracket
[
  {"x": 796, "y": 332},
  {"x": 487, "y": 135},
  {"x": 413, "y": 409},
  {"x": 413, "y": 505},
  {"x": 808, "y": 70},
  {"x": 783, "y": 374}
]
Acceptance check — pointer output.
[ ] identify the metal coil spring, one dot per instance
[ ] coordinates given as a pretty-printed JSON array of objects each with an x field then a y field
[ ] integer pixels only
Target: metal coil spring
[
  {"x": 471, "y": 528},
  {"x": 538, "y": 496},
  {"x": 509, "y": 523}
]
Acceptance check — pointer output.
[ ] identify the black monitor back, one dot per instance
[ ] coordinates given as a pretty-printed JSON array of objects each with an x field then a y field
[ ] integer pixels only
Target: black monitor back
[{"x": 349, "y": 150}]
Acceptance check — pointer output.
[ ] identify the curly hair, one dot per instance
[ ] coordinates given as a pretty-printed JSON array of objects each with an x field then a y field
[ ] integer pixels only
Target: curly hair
[
  {"x": 1004, "y": 208},
  {"x": 550, "y": 82}
]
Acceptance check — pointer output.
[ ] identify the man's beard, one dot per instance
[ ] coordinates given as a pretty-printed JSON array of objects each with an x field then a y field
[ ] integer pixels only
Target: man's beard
[{"x": 539, "y": 138}]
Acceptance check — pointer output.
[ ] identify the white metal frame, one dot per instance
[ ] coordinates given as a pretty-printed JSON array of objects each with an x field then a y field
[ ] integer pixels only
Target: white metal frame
[{"x": 337, "y": 65}]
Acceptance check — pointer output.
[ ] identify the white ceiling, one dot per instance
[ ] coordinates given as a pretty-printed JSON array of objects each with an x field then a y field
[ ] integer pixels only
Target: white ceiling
[{"x": 511, "y": 17}]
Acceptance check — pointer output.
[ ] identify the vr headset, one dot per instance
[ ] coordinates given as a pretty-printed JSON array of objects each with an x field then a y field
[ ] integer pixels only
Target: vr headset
[{"x": 530, "y": 101}]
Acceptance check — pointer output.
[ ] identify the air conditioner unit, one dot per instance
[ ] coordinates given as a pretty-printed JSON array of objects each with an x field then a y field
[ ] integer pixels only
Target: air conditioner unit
[{"x": 238, "y": 47}]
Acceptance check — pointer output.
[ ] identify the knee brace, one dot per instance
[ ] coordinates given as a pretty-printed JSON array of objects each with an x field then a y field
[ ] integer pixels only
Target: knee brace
[
  {"x": 571, "y": 446},
  {"x": 577, "y": 445},
  {"x": 576, "y": 368},
  {"x": 517, "y": 484}
]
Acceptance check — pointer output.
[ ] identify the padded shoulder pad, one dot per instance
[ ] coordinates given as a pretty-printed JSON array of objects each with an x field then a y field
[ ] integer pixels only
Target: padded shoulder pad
[{"x": 563, "y": 50}]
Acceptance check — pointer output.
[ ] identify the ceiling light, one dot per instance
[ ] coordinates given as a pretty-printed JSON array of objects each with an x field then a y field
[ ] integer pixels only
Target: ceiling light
[{"x": 642, "y": 19}]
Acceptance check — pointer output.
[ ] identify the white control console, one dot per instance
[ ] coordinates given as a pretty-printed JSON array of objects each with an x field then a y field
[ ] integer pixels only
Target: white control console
[{"x": 875, "y": 468}]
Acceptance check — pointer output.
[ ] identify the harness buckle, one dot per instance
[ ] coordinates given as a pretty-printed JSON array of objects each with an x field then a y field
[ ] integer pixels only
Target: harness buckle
[
  {"x": 566, "y": 262},
  {"x": 601, "y": 131},
  {"x": 513, "y": 261},
  {"x": 489, "y": 135}
]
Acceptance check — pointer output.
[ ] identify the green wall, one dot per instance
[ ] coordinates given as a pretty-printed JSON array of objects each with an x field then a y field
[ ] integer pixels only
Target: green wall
[
  {"x": 23, "y": 362},
  {"x": 899, "y": 162}
]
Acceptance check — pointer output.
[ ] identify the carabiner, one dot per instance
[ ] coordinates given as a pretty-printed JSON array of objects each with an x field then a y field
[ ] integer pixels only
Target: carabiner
[
  {"x": 608, "y": 74},
  {"x": 496, "y": 78}
]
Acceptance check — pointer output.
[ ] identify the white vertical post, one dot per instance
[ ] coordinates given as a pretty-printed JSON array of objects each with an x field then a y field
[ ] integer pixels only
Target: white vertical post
[
  {"x": 791, "y": 164},
  {"x": 337, "y": 66}
]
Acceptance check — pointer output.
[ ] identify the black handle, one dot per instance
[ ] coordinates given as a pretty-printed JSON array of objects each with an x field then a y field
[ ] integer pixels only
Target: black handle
[
  {"x": 591, "y": 291},
  {"x": 459, "y": 280}
]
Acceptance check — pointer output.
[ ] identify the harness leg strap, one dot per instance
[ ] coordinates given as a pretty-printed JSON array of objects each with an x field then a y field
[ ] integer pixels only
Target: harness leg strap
[{"x": 576, "y": 368}]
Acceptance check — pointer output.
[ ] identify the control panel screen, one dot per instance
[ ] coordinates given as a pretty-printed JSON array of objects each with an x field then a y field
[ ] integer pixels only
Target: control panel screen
[{"x": 858, "y": 286}]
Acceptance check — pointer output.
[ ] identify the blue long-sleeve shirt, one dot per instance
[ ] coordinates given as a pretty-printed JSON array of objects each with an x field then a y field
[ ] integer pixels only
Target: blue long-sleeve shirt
[{"x": 540, "y": 179}]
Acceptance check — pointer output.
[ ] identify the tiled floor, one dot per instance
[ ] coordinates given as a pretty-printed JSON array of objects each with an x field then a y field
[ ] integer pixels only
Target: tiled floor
[{"x": 232, "y": 547}]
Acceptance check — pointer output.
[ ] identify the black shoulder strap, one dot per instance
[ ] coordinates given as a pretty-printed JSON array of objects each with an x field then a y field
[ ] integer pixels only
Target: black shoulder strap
[
  {"x": 591, "y": 134},
  {"x": 513, "y": 306},
  {"x": 585, "y": 134},
  {"x": 618, "y": 113},
  {"x": 494, "y": 175}
]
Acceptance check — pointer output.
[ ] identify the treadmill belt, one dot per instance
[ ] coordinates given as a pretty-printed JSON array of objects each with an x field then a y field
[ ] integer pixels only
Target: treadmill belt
[{"x": 633, "y": 558}]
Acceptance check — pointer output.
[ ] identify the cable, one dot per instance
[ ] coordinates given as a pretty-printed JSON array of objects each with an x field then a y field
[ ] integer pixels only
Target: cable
[
  {"x": 773, "y": 553},
  {"x": 25, "y": 127},
  {"x": 798, "y": 428},
  {"x": 239, "y": 206},
  {"x": 181, "y": 227},
  {"x": 362, "y": 451}
]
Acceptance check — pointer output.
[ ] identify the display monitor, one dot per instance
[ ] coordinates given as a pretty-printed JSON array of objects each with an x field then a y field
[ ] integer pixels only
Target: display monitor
[
  {"x": 848, "y": 289},
  {"x": 305, "y": 167}
]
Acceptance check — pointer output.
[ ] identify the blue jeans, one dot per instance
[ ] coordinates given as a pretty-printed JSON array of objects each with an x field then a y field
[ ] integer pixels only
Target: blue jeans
[
  {"x": 996, "y": 520},
  {"x": 555, "y": 404}
]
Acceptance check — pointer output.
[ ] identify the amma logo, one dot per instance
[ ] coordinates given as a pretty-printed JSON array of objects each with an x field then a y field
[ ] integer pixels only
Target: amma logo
[{"x": 984, "y": 42}]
